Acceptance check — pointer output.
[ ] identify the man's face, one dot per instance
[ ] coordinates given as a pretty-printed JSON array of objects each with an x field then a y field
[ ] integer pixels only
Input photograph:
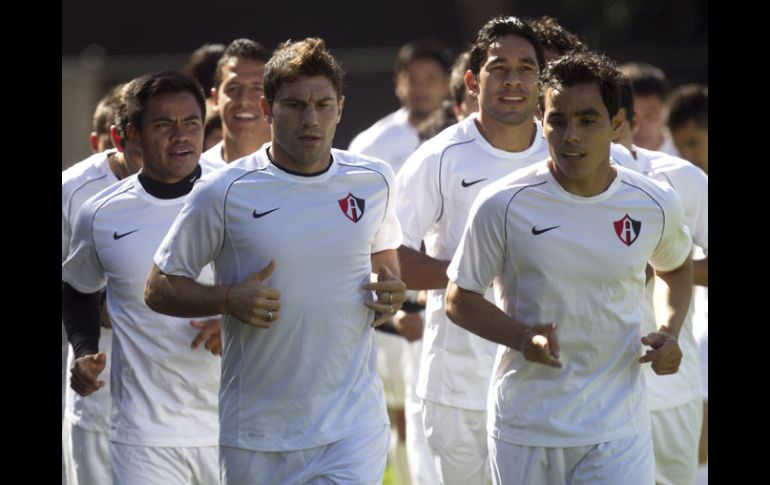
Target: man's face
[
  {"x": 578, "y": 129},
  {"x": 649, "y": 121},
  {"x": 237, "y": 99},
  {"x": 171, "y": 136},
  {"x": 422, "y": 86},
  {"x": 304, "y": 117},
  {"x": 692, "y": 141},
  {"x": 507, "y": 81}
]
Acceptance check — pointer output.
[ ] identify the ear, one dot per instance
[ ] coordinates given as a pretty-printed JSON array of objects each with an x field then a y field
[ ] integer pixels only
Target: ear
[
  {"x": 471, "y": 83},
  {"x": 266, "y": 109},
  {"x": 618, "y": 123},
  {"x": 133, "y": 134},
  {"x": 341, "y": 104},
  {"x": 215, "y": 100},
  {"x": 93, "y": 141},
  {"x": 117, "y": 142}
]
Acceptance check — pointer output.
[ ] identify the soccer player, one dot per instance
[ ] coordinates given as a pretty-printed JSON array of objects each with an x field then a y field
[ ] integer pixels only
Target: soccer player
[
  {"x": 164, "y": 426},
  {"x": 566, "y": 242},
  {"x": 86, "y": 420},
  {"x": 293, "y": 231},
  {"x": 238, "y": 85},
  {"x": 442, "y": 178}
]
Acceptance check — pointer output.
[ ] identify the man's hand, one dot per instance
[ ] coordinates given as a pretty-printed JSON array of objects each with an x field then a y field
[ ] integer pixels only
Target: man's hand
[
  {"x": 253, "y": 302},
  {"x": 408, "y": 325},
  {"x": 84, "y": 373},
  {"x": 210, "y": 335},
  {"x": 391, "y": 294},
  {"x": 541, "y": 345},
  {"x": 665, "y": 354}
]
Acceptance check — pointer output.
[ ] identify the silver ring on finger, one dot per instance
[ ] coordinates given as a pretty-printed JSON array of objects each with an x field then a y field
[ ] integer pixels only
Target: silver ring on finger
[
  {"x": 391, "y": 309},
  {"x": 269, "y": 316}
]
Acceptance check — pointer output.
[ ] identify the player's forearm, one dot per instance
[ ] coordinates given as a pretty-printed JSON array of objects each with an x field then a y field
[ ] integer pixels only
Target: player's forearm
[
  {"x": 700, "y": 271},
  {"x": 180, "y": 296},
  {"x": 678, "y": 285},
  {"x": 475, "y": 314},
  {"x": 80, "y": 314},
  {"x": 421, "y": 272}
]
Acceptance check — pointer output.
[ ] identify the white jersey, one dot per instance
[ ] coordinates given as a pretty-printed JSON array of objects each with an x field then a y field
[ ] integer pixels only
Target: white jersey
[
  {"x": 437, "y": 187},
  {"x": 214, "y": 155},
  {"x": 163, "y": 393},
  {"x": 579, "y": 262},
  {"x": 691, "y": 184},
  {"x": 78, "y": 184},
  {"x": 311, "y": 378},
  {"x": 391, "y": 139},
  {"x": 667, "y": 146}
]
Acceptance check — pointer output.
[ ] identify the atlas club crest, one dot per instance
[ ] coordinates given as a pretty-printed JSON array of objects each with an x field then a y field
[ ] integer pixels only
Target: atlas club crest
[
  {"x": 627, "y": 229},
  {"x": 353, "y": 207}
]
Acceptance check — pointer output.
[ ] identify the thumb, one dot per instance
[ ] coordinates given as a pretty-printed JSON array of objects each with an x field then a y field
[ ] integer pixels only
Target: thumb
[
  {"x": 100, "y": 359},
  {"x": 199, "y": 324},
  {"x": 553, "y": 340},
  {"x": 384, "y": 273},
  {"x": 265, "y": 272}
]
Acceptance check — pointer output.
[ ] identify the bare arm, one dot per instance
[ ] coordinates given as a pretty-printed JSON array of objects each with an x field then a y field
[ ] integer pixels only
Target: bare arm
[
  {"x": 700, "y": 271},
  {"x": 474, "y": 313},
  {"x": 665, "y": 354},
  {"x": 420, "y": 271},
  {"x": 250, "y": 301}
]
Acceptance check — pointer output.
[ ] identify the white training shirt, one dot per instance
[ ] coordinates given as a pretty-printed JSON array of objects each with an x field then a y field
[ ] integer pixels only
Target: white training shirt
[
  {"x": 310, "y": 379},
  {"x": 391, "y": 139},
  {"x": 163, "y": 392},
  {"x": 78, "y": 184},
  {"x": 437, "y": 186},
  {"x": 578, "y": 262},
  {"x": 691, "y": 184},
  {"x": 214, "y": 154}
]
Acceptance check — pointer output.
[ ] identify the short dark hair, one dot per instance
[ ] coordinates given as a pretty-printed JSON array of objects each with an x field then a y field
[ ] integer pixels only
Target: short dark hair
[
  {"x": 584, "y": 67},
  {"x": 437, "y": 121},
  {"x": 627, "y": 98},
  {"x": 139, "y": 92},
  {"x": 213, "y": 122},
  {"x": 240, "y": 48},
  {"x": 647, "y": 80},
  {"x": 307, "y": 57},
  {"x": 688, "y": 103},
  {"x": 427, "y": 48},
  {"x": 202, "y": 65},
  {"x": 498, "y": 28},
  {"x": 106, "y": 110},
  {"x": 554, "y": 36},
  {"x": 457, "y": 85}
]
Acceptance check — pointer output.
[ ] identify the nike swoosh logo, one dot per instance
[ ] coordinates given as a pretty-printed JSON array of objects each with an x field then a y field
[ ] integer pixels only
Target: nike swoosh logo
[
  {"x": 536, "y": 231},
  {"x": 117, "y": 236},
  {"x": 468, "y": 184},
  {"x": 257, "y": 215}
]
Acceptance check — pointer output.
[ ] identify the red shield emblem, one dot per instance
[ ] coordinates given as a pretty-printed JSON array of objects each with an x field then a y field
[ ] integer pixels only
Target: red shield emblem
[
  {"x": 352, "y": 207},
  {"x": 627, "y": 229}
]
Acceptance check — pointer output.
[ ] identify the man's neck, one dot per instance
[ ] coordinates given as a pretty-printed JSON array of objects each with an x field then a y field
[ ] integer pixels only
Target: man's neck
[
  {"x": 117, "y": 163},
  {"x": 233, "y": 149},
  {"x": 505, "y": 136},
  {"x": 591, "y": 186}
]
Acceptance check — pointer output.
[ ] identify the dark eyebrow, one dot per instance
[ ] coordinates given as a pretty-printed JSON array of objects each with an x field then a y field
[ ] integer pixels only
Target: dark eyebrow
[{"x": 588, "y": 112}]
